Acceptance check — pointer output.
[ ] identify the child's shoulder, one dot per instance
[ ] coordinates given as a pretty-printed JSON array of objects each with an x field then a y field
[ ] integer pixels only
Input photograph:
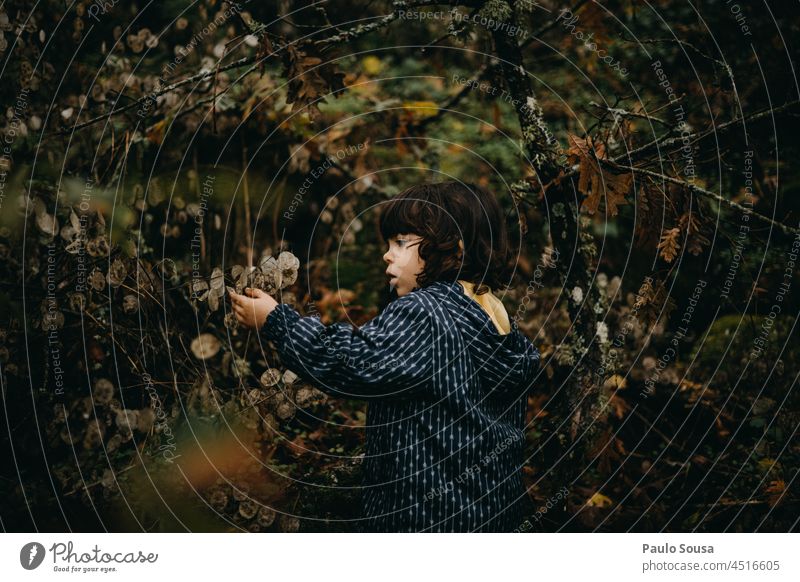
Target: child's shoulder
[
  {"x": 428, "y": 301},
  {"x": 421, "y": 303}
]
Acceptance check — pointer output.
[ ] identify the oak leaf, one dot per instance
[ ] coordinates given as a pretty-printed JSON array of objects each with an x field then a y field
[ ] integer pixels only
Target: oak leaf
[
  {"x": 669, "y": 244},
  {"x": 594, "y": 180}
]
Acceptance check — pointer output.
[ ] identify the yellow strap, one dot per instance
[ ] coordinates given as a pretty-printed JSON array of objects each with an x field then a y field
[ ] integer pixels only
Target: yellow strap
[{"x": 491, "y": 305}]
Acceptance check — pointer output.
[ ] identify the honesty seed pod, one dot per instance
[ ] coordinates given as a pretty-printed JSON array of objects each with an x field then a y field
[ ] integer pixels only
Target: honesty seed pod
[
  {"x": 205, "y": 346},
  {"x": 103, "y": 391},
  {"x": 270, "y": 377}
]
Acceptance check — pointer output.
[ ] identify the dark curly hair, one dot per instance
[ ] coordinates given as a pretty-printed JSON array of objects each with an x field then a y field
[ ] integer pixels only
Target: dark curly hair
[{"x": 444, "y": 213}]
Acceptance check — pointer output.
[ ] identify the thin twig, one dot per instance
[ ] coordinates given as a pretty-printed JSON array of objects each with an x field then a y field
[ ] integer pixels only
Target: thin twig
[{"x": 788, "y": 230}]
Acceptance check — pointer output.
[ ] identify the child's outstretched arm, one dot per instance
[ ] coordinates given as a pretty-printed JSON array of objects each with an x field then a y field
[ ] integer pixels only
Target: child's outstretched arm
[{"x": 391, "y": 355}]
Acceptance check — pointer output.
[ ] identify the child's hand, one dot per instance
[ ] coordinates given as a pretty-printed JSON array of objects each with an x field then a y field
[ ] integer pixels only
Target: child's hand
[{"x": 252, "y": 312}]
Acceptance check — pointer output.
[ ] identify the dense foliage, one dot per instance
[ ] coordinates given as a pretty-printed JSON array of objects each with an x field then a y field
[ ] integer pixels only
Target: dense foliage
[{"x": 155, "y": 155}]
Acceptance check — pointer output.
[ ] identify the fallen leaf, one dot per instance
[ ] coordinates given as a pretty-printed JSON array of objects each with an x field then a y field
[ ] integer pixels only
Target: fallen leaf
[{"x": 599, "y": 500}]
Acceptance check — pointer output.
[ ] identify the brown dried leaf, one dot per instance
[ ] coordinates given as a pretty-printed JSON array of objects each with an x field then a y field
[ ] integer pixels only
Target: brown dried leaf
[
  {"x": 309, "y": 79},
  {"x": 653, "y": 302},
  {"x": 695, "y": 237},
  {"x": 594, "y": 180},
  {"x": 669, "y": 245}
]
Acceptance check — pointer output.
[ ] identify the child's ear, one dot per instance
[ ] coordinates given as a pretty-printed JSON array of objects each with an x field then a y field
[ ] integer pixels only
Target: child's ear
[{"x": 461, "y": 245}]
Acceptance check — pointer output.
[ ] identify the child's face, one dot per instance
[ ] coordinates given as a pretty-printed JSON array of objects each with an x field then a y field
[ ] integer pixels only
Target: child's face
[{"x": 404, "y": 262}]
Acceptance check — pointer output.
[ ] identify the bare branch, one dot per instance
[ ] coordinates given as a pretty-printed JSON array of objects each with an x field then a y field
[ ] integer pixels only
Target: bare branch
[
  {"x": 760, "y": 116},
  {"x": 788, "y": 230}
]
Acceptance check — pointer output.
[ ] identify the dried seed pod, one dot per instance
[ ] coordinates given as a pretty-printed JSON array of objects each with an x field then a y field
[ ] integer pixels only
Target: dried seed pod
[
  {"x": 285, "y": 410},
  {"x": 117, "y": 273},
  {"x": 47, "y": 223},
  {"x": 97, "y": 247},
  {"x": 97, "y": 280},
  {"x": 52, "y": 320},
  {"x": 270, "y": 377},
  {"x": 259, "y": 280},
  {"x": 241, "y": 493},
  {"x": 304, "y": 396},
  {"x": 97, "y": 93},
  {"x": 267, "y": 264},
  {"x": 67, "y": 436},
  {"x": 218, "y": 500},
  {"x": 288, "y": 265},
  {"x": 68, "y": 234},
  {"x": 266, "y": 517},
  {"x": 130, "y": 304},
  {"x": 217, "y": 281},
  {"x": 242, "y": 280},
  {"x": 230, "y": 320},
  {"x": 269, "y": 423},
  {"x": 240, "y": 367},
  {"x": 289, "y": 524},
  {"x": 146, "y": 420},
  {"x": 93, "y": 438},
  {"x": 108, "y": 480},
  {"x": 103, "y": 391},
  {"x": 205, "y": 346},
  {"x": 289, "y": 377},
  {"x": 114, "y": 443},
  {"x": 248, "y": 509},
  {"x": 213, "y": 301},
  {"x": 169, "y": 270},
  {"x": 135, "y": 43},
  {"x": 254, "y": 396},
  {"x": 151, "y": 42},
  {"x": 200, "y": 289},
  {"x": 127, "y": 421}
]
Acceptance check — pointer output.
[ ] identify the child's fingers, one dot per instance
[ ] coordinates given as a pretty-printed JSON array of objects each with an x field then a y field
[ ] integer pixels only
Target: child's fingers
[{"x": 255, "y": 292}]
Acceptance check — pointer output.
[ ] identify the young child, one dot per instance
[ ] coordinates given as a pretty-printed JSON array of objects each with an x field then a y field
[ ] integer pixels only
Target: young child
[{"x": 445, "y": 373}]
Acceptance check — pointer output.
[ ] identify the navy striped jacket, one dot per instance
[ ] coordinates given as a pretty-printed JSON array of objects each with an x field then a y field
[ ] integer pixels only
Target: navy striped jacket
[{"x": 447, "y": 395}]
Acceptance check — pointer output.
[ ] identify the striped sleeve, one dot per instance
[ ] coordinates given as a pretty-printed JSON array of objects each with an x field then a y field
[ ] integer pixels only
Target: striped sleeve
[{"x": 389, "y": 356}]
